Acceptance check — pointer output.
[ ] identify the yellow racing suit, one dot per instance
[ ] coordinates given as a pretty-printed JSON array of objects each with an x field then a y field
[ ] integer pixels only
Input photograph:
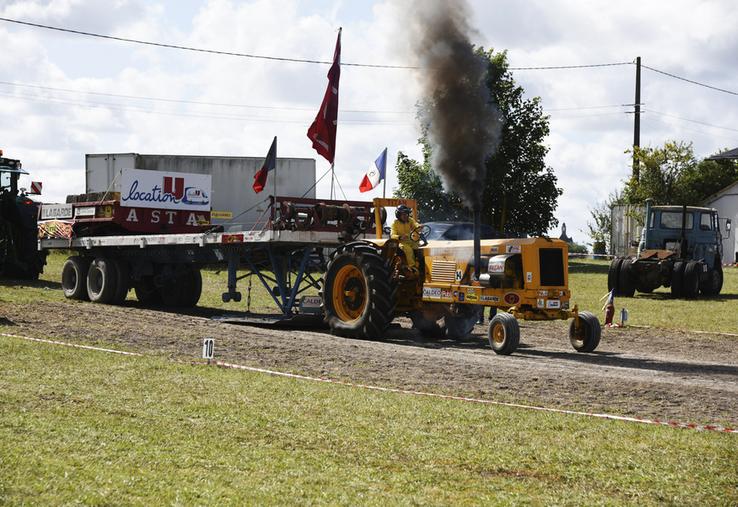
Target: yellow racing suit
[{"x": 401, "y": 230}]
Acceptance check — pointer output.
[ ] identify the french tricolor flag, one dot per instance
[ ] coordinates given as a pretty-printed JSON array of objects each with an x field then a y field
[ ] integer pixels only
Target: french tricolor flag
[{"x": 375, "y": 174}]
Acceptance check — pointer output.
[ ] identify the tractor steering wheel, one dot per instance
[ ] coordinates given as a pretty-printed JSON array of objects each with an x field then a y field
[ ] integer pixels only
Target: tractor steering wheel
[{"x": 420, "y": 234}]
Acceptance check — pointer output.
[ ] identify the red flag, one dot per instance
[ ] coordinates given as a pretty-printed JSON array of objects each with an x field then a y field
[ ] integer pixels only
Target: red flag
[
  {"x": 260, "y": 178},
  {"x": 323, "y": 130}
]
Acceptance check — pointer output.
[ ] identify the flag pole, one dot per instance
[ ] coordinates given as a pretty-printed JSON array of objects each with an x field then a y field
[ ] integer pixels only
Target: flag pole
[
  {"x": 384, "y": 184},
  {"x": 333, "y": 175},
  {"x": 275, "y": 169}
]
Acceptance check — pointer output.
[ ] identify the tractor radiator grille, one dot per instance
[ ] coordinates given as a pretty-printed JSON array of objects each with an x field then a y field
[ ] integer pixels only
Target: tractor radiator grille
[{"x": 443, "y": 271}]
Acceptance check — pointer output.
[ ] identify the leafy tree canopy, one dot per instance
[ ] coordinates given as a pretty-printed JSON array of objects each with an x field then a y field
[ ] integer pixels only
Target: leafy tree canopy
[
  {"x": 520, "y": 192},
  {"x": 671, "y": 174}
]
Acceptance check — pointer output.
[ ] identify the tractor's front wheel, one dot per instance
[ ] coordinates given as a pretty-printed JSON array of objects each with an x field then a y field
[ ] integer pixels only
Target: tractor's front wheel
[
  {"x": 358, "y": 292},
  {"x": 504, "y": 334},
  {"x": 585, "y": 332}
]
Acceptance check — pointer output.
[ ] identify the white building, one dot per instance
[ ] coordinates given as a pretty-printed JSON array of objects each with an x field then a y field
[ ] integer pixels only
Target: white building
[{"x": 726, "y": 203}]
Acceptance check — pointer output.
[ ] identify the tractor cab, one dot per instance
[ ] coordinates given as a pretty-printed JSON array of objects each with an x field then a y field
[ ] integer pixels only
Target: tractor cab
[{"x": 19, "y": 255}]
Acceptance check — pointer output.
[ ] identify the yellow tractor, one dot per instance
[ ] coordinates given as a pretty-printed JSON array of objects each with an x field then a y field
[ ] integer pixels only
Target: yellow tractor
[{"x": 365, "y": 286}]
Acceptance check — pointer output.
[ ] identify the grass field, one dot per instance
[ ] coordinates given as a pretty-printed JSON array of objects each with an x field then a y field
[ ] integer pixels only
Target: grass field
[
  {"x": 587, "y": 280},
  {"x": 87, "y": 427},
  {"x": 588, "y": 283}
]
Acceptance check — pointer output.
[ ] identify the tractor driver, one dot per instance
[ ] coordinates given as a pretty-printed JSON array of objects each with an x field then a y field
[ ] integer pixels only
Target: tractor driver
[{"x": 401, "y": 229}]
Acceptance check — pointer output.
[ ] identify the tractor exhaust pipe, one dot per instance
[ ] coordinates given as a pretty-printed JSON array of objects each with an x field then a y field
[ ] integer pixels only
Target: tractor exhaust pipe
[{"x": 477, "y": 243}]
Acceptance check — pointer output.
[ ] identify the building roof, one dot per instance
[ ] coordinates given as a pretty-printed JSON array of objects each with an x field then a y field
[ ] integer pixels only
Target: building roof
[{"x": 726, "y": 155}]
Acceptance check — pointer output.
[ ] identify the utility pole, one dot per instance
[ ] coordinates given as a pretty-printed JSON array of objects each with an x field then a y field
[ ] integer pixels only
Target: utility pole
[{"x": 637, "y": 122}]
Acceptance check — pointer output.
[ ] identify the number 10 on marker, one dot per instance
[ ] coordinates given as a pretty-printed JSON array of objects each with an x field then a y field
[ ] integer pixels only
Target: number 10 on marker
[{"x": 208, "y": 345}]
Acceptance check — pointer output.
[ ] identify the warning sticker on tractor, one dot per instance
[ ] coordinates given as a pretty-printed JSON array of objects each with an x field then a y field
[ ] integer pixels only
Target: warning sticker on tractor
[
  {"x": 529, "y": 276},
  {"x": 512, "y": 248},
  {"x": 492, "y": 299},
  {"x": 471, "y": 295},
  {"x": 553, "y": 303}
]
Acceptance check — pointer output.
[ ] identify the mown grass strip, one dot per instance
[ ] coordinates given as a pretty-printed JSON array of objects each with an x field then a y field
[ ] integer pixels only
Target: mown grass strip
[{"x": 85, "y": 426}]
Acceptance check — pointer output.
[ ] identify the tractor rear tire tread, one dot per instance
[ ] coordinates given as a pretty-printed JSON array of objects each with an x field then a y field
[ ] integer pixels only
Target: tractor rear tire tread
[{"x": 381, "y": 292}]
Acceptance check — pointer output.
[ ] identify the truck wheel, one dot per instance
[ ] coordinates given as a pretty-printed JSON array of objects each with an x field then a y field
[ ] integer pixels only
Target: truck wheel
[
  {"x": 504, "y": 334},
  {"x": 459, "y": 326},
  {"x": 102, "y": 280},
  {"x": 585, "y": 336},
  {"x": 613, "y": 275},
  {"x": 147, "y": 293},
  {"x": 691, "y": 286},
  {"x": 626, "y": 281},
  {"x": 358, "y": 292},
  {"x": 123, "y": 281},
  {"x": 677, "y": 279},
  {"x": 191, "y": 288},
  {"x": 713, "y": 282},
  {"x": 74, "y": 278}
]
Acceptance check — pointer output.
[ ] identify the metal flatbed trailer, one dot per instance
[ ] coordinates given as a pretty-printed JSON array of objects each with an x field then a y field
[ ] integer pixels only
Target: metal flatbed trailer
[{"x": 283, "y": 260}]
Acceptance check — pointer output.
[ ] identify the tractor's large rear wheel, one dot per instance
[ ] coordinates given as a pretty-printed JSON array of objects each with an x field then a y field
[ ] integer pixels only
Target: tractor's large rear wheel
[{"x": 358, "y": 292}]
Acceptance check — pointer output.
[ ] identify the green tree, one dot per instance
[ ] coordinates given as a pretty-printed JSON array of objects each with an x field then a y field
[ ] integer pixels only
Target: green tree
[
  {"x": 672, "y": 175},
  {"x": 520, "y": 193}
]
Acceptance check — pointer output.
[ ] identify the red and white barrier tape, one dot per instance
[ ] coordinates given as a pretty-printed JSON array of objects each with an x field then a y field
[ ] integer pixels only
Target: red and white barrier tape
[{"x": 222, "y": 364}]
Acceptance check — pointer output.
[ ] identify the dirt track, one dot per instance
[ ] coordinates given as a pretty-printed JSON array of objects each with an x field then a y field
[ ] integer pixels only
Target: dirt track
[{"x": 639, "y": 372}]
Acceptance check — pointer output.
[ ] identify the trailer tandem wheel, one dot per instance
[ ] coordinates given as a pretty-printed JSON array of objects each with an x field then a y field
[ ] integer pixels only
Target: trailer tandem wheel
[
  {"x": 74, "y": 278},
  {"x": 504, "y": 333},
  {"x": 102, "y": 280}
]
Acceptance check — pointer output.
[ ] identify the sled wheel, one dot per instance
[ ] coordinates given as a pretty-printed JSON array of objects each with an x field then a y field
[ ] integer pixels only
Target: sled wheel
[
  {"x": 74, "y": 278},
  {"x": 146, "y": 292},
  {"x": 613, "y": 275},
  {"x": 123, "y": 281},
  {"x": 504, "y": 334},
  {"x": 191, "y": 284},
  {"x": 102, "y": 280},
  {"x": 585, "y": 332},
  {"x": 358, "y": 292}
]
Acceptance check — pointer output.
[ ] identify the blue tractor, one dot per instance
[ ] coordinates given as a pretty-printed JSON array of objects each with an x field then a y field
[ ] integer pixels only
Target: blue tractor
[{"x": 680, "y": 248}]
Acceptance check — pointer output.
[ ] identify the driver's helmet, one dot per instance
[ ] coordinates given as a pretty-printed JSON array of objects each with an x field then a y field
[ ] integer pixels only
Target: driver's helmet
[{"x": 402, "y": 209}]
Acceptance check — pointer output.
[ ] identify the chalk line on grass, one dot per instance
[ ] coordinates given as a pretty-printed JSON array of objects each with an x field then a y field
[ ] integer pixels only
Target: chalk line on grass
[{"x": 222, "y": 364}]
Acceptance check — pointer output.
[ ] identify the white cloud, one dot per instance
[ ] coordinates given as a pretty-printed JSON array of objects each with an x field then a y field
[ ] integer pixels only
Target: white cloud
[{"x": 50, "y": 131}]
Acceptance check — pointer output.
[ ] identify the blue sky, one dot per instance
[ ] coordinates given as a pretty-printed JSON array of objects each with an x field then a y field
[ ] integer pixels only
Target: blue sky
[{"x": 51, "y": 130}]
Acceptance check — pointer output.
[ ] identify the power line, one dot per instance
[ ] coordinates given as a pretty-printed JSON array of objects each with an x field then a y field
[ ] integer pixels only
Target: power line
[
  {"x": 194, "y": 102},
  {"x": 690, "y": 80},
  {"x": 559, "y": 67},
  {"x": 667, "y": 115},
  {"x": 201, "y": 50},
  {"x": 128, "y": 108},
  {"x": 278, "y": 58}
]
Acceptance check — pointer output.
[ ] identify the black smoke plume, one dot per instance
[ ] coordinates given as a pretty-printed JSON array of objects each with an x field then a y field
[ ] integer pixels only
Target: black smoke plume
[{"x": 460, "y": 117}]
